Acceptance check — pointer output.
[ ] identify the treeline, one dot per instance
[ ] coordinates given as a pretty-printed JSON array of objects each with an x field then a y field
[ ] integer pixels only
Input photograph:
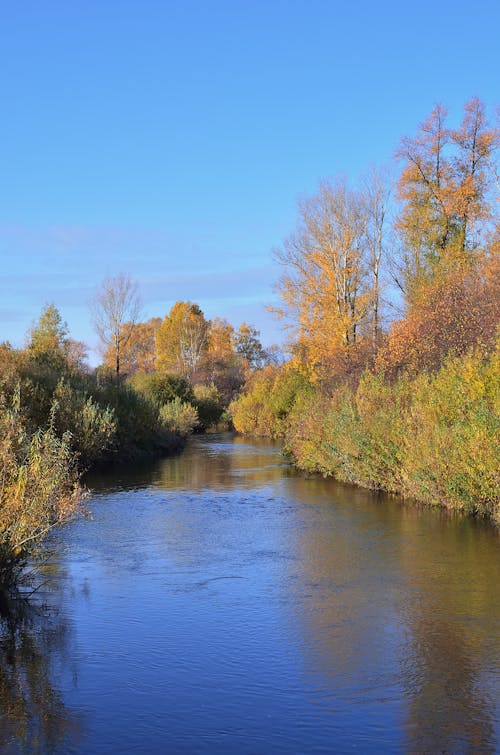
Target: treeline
[
  {"x": 412, "y": 408},
  {"x": 59, "y": 418}
]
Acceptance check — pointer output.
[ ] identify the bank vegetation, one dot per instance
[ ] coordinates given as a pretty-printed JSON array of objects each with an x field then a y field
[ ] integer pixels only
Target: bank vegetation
[{"x": 408, "y": 401}]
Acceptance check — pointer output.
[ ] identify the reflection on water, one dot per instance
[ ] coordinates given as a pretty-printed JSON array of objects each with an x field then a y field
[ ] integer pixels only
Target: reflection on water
[
  {"x": 33, "y": 715},
  {"x": 220, "y": 602},
  {"x": 405, "y": 606},
  {"x": 209, "y": 462}
]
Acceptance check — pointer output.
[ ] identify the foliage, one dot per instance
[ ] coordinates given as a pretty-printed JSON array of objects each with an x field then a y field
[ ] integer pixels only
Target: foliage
[
  {"x": 247, "y": 344},
  {"x": 90, "y": 428},
  {"x": 443, "y": 189},
  {"x": 179, "y": 417},
  {"x": 160, "y": 387},
  {"x": 452, "y": 314},
  {"x": 138, "y": 352},
  {"x": 181, "y": 339},
  {"x": 331, "y": 282},
  {"x": 430, "y": 437},
  {"x": 270, "y": 395},
  {"x": 38, "y": 488},
  {"x": 209, "y": 405}
]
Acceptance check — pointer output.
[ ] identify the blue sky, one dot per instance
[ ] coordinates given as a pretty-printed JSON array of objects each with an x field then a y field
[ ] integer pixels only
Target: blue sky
[{"x": 171, "y": 140}]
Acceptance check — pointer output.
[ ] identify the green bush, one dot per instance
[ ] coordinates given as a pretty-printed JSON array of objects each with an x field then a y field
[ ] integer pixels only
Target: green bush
[
  {"x": 179, "y": 417},
  {"x": 263, "y": 409},
  {"x": 39, "y": 489},
  {"x": 160, "y": 388},
  {"x": 210, "y": 405}
]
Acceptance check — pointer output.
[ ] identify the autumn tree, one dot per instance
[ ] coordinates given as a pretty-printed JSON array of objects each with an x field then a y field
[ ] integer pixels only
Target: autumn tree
[
  {"x": 325, "y": 287},
  {"x": 448, "y": 270},
  {"x": 219, "y": 361},
  {"x": 139, "y": 351},
  {"x": 443, "y": 190},
  {"x": 48, "y": 337},
  {"x": 220, "y": 344},
  {"x": 248, "y": 345},
  {"x": 115, "y": 310},
  {"x": 182, "y": 339}
]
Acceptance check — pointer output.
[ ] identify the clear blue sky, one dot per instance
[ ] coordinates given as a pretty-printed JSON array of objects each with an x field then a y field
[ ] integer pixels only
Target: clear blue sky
[{"x": 170, "y": 140}]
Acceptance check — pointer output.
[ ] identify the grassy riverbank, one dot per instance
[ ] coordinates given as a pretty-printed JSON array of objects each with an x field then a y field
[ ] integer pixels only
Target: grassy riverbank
[{"x": 432, "y": 437}]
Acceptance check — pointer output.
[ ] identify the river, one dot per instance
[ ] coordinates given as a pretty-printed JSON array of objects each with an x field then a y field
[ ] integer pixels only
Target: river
[{"x": 220, "y": 602}]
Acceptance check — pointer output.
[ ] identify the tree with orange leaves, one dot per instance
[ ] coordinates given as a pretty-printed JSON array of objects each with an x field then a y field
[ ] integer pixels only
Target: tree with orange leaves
[
  {"x": 139, "y": 351},
  {"x": 443, "y": 189}
]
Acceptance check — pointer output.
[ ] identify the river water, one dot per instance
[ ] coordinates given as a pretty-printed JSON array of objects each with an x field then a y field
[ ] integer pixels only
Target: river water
[{"x": 219, "y": 602}]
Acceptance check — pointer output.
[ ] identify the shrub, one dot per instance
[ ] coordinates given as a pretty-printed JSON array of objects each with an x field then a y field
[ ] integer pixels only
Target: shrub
[
  {"x": 210, "y": 405},
  {"x": 179, "y": 417},
  {"x": 270, "y": 397},
  {"x": 160, "y": 388},
  {"x": 39, "y": 489},
  {"x": 92, "y": 428}
]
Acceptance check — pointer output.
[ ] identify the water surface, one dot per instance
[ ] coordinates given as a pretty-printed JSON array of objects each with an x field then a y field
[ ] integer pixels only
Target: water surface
[{"x": 219, "y": 602}]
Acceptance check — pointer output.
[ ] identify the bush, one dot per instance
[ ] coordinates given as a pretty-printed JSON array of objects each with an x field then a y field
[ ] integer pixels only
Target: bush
[
  {"x": 266, "y": 404},
  {"x": 210, "y": 405},
  {"x": 92, "y": 428},
  {"x": 179, "y": 417},
  {"x": 160, "y": 388},
  {"x": 39, "y": 489}
]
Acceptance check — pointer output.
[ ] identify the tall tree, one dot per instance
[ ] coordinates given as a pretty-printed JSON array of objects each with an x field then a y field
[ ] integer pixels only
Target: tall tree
[
  {"x": 443, "y": 190},
  {"x": 49, "y": 334},
  {"x": 325, "y": 286},
  {"x": 49, "y": 343},
  {"x": 115, "y": 311},
  {"x": 474, "y": 172}
]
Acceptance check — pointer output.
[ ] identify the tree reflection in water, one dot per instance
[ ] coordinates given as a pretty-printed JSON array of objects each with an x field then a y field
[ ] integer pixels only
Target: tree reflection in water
[
  {"x": 421, "y": 583},
  {"x": 33, "y": 716}
]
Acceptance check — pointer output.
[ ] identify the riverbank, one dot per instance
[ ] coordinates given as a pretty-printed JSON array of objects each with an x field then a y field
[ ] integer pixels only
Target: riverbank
[{"x": 431, "y": 437}]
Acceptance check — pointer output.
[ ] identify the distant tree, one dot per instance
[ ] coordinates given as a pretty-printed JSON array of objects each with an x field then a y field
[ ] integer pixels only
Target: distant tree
[
  {"x": 182, "y": 339},
  {"x": 49, "y": 334},
  {"x": 115, "y": 310},
  {"x": 49, "y": 343},
  {"x": 248, "y": 345},
  {"x": 219, "y": 360},
  {"x": 139, "y": 352},
  {"x": 375, "y": 197}
]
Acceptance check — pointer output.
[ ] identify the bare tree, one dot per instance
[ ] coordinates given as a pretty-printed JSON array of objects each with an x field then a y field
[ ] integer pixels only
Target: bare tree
[
  {"x": 115, "y": 311},
  {"x": 376, "y": 193}
]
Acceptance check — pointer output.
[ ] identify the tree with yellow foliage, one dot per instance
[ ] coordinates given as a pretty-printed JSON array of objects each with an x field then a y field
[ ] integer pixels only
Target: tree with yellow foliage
[
  {"x": 139, "y": 350},
  {"x": 443, "y": 189},
  {"x": 327, "y": 283},
  {"x": 182, "y": 339}
]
